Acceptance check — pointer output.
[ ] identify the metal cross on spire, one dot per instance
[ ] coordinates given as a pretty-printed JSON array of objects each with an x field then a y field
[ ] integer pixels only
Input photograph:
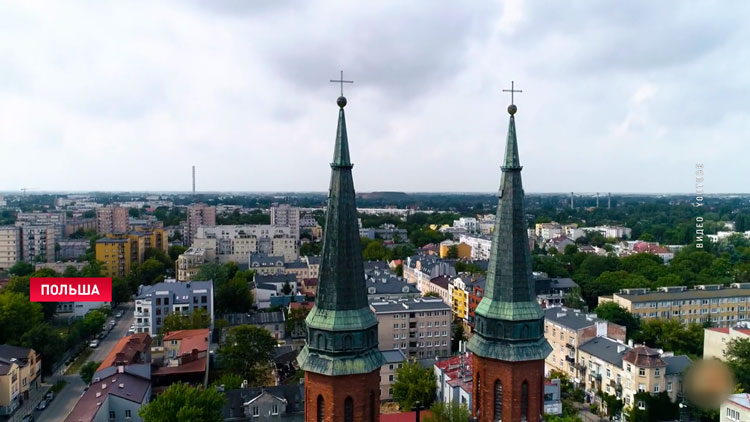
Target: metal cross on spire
[
  {"x": 512, "y": 91},
  {"x": 342, "y": 82}
]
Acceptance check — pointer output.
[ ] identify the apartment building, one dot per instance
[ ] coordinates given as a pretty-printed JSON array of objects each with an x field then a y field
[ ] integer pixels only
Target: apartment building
[
  {"x": 394, "y": 360},
  {"x": 115, "y": 397},
  {"x": 463, "y": 251},
  {"x": 198, "y": 215},
  {"x": 480, "y": 245},
  {"x": 421, "y": 268},
  {"x": 548, "y": 231},
  {"x": 613, "y": 367},
  {"x": 112, "y": 219},
  {"x": 37, "y": 242},
  {"x": 439, "y": 286},
  {"x": 37, "y": 218},
  {"x": 716, "y": 339},
  {"x": 10, "y": 246},
  {"x": 154, "y": 303},
  {"x": 566, "y": 330},
  {"x": 736, "y": 408},
  {"x": 119, "y": 255},
  {"x": 420, "y": 328},
  {"x": 189, "y": 262},
  {"x": 722, "y": 306},
  {"x": 382, "y": 284},
  {"x": 235, "y": 242},
  {"x": 286, "y": 215},
  {"x": 73, "y": 225}
]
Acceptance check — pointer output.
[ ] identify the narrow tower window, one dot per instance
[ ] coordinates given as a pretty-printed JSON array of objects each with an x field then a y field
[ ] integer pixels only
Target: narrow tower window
[
  {"x": 349, "y": 410},
  {"x": 498, "y": 400},
  {"x": 372, "y": 406},
  {"x": 524, "y": 400},
  {"x": 321, "y": 408}
]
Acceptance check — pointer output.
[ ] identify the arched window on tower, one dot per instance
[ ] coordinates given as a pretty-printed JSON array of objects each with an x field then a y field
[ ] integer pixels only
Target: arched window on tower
[
  {"x": 348, "y": 342},
  {"x": 349, "y": 409},
  {"x": 524, "y": 400},
  {"x": 525, "y": 331},
  {"x": 498, "y": 401},
  {"x": 321, "y": 408},
  {"x": 478, "y": 395}
]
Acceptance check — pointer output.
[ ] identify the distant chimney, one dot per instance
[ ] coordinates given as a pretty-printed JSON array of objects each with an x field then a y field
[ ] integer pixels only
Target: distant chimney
[
  {"x": 620, "y": 348},
  {"x": 630, "y": 342}
]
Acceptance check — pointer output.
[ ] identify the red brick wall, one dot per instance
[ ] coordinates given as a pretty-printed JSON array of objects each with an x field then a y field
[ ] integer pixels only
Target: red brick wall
[
  {"x": 511, "y": 375},
  {"x": 335, "y": 390}
]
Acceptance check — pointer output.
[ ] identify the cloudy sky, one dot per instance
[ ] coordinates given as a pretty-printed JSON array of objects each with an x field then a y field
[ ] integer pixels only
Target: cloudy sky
[{"x": 618, "y": 96}]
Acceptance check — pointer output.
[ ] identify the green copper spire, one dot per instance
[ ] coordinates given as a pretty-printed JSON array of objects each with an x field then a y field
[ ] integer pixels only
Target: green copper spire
[
  {"x": 509, "y": 324},
  {"x": 342, "y": 336}
]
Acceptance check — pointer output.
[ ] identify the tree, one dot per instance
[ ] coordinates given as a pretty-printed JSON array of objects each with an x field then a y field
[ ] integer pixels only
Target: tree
[
  {"x": 310, "y": 248},
  {"x": 295, "y": 318},
  {"x": 414, "y": 384},
  {"x": 87, "y": 371},
  {"x": 570, "y": 250},
  {"x": 738, "y": 357},
  {"x": 452, "y": 252},
  {"x": 184, "y": 403},
  {"x": 615, "y": 313},
  {"x": 149, "y": 272},
  {"x": 218, "y": 273},
  {"x": 234, "y": 296},
  {"x": 21, "y": 268},
  {"x": 431, "y": 294},
  {"x": 46, "y": 342},
  {"x": 458, "y": 336},
  {"x": 673, "y": 336},
  {"x": 120, "y": 290},
  {"x": 448, "y": 412},
  {"x": 572, "y": 299},
  {"x": 17, "y": 316},
  {"x": 93, "y": 321},
  {"x": 248, "y": 351},
  {"x": 199, "y": 318},
  {"x": 229, "y": 381}
]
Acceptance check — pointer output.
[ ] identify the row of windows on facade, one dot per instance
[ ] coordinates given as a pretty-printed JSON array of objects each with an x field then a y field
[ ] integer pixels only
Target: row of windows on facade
[
  {"x": 669, "y": 303},
  {"x": 422, "y": 334},
  {"x": 420, "y": 314},
  {"x": 703, "y": 311},
  {"x": 422, "y": 344},
  {"x": 113, "y": 414},
  {"x": 203, "y": 299},
  {"x": 421, "y": 325}
]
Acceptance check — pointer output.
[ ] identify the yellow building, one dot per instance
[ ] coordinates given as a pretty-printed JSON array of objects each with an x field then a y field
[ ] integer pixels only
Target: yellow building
[
  {"x": 20, "y": 372},
  {"x": 155, "y": 238},
  {"x": 463, "y": 249},
  {"x": 119, "y": 255}
]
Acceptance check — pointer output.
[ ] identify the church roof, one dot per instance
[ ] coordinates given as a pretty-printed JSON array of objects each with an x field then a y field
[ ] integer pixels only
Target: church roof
[{"x": 509, "y": 319}]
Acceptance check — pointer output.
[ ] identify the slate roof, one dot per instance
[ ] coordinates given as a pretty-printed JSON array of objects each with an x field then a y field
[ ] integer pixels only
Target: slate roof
[
  {"x": 393, "y": 356},
  {"x": 384, "y": 281},
  {"x": 644, "y": 357},
  {"x": 265, "y": 260},
  {"x": 677, "y": 364},
  {"x": 126, "y": 386},
  {"x": 21, "y": 354},
  {"x": 261, "y": 318},
  {"x": 177, "y": 290},
  {"x": 569, "y": 318},
  {"x": 605, "y": 349},
  {"x": 411, "y": 305},
  {"x": 274, "y": 278}
]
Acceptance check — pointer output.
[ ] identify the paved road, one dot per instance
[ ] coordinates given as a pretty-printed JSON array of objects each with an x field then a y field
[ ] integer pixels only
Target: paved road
[{"x": 68, "y": 397}]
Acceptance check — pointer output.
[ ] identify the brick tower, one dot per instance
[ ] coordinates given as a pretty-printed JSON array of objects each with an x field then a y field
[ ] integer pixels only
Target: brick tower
[
  {"x": 341, "y": 359},
  {"x": 508, "y": 342}
]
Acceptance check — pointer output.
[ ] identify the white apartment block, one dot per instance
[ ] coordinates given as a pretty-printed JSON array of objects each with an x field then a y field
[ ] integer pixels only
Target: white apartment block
[
  {"x": 285, "y": 215},
  {"x": 470, "y": 224},
  {"x": 548, "y": 231},
  {"x": 10, "y": 246},
  {"x": 480, "y": 245}
]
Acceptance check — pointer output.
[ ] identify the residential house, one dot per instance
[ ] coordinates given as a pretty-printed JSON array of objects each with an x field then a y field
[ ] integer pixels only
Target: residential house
[
  {"x": 281, "y": 402},
  {"x": 154, "y": 303},
  {"x": 114, "y": 398},
  {"x": 185, "y": 359},
  {"x": 716, "y": 339},
  {"x": 29, "y": 367}
]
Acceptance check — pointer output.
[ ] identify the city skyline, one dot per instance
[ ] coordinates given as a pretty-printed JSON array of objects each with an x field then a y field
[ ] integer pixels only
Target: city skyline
[{"x": 164, "y": 87}]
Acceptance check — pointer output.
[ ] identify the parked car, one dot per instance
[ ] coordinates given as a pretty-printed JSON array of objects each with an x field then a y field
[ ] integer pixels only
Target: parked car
[
  {"x": 49, "y": 396},
  {"x": 28, "y": 418},
  {"x": 94, "y": 344},
  {"x": 42, "y": 405},
  {"x": 102, "y": 335},
  {"x": 118, "y": 315}
]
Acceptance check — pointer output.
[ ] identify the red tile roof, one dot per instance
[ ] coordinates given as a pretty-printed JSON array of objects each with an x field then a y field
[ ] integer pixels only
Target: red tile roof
[
  {"x": 127, "y": 350},
  {"x": 189, "y": 340},
  {"x": 643, "y": 356},
  {"x": 724, "y": 330}
]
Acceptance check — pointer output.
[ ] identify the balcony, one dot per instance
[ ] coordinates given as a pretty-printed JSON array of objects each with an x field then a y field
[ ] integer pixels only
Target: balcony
[
  {"x": 595, "y": 377},
  {"x": 570, "y": 359},
  {"x": 570, "y": 346}
]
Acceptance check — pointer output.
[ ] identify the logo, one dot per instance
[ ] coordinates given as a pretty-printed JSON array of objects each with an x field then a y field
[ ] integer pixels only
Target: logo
[{"x": 71, "y": 289}]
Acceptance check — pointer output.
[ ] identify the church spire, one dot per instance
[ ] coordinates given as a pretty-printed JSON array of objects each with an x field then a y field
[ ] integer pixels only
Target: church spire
[
  {"x": 509, "y": 320},
  {"x": 342, "y": 329}
]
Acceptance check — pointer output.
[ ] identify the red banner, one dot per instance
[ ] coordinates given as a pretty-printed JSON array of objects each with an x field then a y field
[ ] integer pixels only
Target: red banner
[{"x": 71, "y": 289}]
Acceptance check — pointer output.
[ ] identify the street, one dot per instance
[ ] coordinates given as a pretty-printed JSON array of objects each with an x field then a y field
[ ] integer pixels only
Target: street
[{"x": 59, "y": 408}]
